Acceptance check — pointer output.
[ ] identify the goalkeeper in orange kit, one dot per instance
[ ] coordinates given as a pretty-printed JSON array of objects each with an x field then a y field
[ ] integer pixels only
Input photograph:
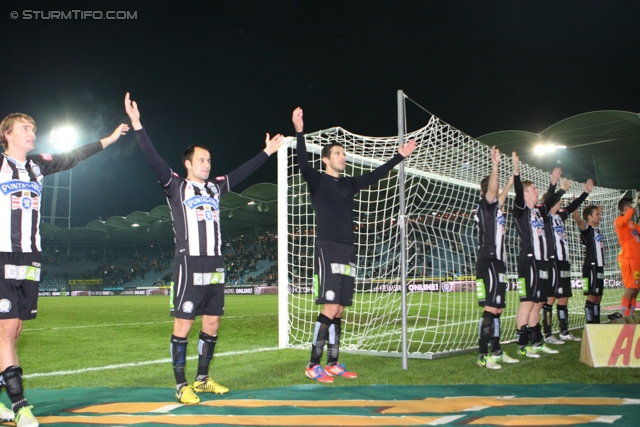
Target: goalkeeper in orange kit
[{"x": 629, "y": 237}]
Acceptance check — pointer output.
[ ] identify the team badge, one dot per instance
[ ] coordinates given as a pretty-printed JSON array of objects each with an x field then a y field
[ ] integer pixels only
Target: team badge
[
  {"x": 213, "y": 189},
  {"x": 36, "y": 170},
  {"x": 187, "y": 307},
  {"x": 5, "y": 305},
  {"x": 27, "y": 203},
  {"x": 330, "y": 295}
]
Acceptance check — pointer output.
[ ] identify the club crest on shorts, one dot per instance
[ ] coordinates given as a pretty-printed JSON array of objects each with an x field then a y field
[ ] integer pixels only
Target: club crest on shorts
[
  {"x": 5, "y": 305},
  {"x": 330, "y": 295},
  {"x": 187, "y": 307}
]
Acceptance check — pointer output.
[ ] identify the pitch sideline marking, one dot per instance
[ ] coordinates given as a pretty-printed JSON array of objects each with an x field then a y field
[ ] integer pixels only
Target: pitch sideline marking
[{"x": 133, "y": 365}]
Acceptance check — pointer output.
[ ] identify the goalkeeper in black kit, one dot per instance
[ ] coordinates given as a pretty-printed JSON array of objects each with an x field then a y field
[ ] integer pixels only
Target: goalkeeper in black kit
[{"x": 335, "y": 257}]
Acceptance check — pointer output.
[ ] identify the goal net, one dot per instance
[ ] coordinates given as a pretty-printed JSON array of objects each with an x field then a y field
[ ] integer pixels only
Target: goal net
[{"x": 442, "y": 178}]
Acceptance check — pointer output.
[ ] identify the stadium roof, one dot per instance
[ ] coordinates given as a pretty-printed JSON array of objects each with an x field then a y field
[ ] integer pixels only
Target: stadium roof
[
  {"x": 253, "y": 209},
  {"x": 604, "y": 145}
]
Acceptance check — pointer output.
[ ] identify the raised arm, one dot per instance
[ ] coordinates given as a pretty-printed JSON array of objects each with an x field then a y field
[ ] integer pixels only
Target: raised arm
[
  {"x": 159, "y": 167},
  {"x": 582, "y": 225},
  {"x": 374, "y": 176},
  {"x": 492, "y": 187},
  {"x": 518, "y": 202},
  {"x": 588, "y": 186},
  {"x": 246, "y": 169},
  {"x": 551, "y": 198},
  {"x": 502, "y": 198},
  {"x": 625, "y": 219},
  {"x": 310, "y": 175}
]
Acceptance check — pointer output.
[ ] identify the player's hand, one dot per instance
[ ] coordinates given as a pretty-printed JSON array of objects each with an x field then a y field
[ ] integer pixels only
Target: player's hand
[
  {"x": 298, "y": 122},
  {"x": 555, "y": 175},
  {"x": 120, "y": 130},
  {"x": 407, "y": 148},
  {"x": 566, "y": 184},
  {"x": 516, "y": 163},
  {"x": 495, "y": 156},
  {"x": 588, "y": 186},
  {"x": 273, "y": 144},
  {"x": 132, "y": 111}
]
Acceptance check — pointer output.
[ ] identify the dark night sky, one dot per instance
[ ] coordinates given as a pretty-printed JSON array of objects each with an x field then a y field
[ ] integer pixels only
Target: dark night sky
[{"x": 224, "y": 73}]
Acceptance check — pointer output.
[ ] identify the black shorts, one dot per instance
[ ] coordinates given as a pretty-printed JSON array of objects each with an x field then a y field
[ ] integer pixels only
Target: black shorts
[
  {"x": 559, "y": 279},
  {"x": 197, "y": 287},
  {"x": 593, "y": 280},
  {"x": 491, "y": 282},
  {"x": 20, "y": 278},
  {"x": 533, "y": 280},
  {"x": 334, "y": 273}
]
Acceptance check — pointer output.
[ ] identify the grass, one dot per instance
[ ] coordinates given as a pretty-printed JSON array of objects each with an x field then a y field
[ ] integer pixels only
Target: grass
[{"x": 75, "y": 333}]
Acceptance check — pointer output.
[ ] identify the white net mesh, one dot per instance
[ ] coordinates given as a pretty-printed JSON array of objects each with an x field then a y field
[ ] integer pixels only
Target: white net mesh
[{"x": 442, "y": 190}]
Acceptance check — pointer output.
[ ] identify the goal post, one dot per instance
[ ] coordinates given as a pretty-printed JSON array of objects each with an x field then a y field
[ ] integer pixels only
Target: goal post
[{"x": 441, "y": 190}]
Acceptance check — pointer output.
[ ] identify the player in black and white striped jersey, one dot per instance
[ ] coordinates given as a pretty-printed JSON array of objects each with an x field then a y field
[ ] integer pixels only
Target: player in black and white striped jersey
[
  {"x": 559, "y": 268},
  {"x": 533, "y": 282},
  {"x": 21, "y": 178},
  {"x": 491, "y": 282},
  {"x": 198, "y": 276}
]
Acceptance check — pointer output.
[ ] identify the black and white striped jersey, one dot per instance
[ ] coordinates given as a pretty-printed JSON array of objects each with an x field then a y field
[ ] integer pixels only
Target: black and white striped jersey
[
  {"x": 594, "y": 242},
  {"x": 195, "y": 207},
  {"x": 195, "y": 210},
  {"x": 556, "y": 234},
  {"x": 491, "y": 229},
  {"x": 21, "y": 195},
  {"x": 530, "y": 223}
]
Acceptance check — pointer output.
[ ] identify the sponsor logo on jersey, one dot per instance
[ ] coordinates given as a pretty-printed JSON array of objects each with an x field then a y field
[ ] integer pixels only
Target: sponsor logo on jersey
[
  {"x": 202, "y": 279},
  {"x": 21, "y": 272},
  {"x": 46, "y": 157},
  {"x": 344, "y": 269},
  {"x": 15, "y": 186},
  {"x": 5, "y": 305},
  {"x": 36, "y": 170},
  {"x": 187, "y": 307},
  {"x": 197, "y": 201}
]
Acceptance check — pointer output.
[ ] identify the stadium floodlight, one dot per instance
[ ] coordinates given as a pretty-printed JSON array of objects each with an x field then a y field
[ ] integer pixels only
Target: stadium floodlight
[
  {"x": 63, "y": 138},
  {"x": 543, "y": 148}
]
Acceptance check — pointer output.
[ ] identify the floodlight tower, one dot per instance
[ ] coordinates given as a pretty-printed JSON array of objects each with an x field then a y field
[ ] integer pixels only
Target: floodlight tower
[{"x": 57, "y": 194}]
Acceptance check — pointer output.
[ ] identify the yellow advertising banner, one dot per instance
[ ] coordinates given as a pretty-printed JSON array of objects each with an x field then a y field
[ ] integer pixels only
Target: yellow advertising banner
[
  {"x": 615, "y": 346},
  {"x": 86, "y": 282}
]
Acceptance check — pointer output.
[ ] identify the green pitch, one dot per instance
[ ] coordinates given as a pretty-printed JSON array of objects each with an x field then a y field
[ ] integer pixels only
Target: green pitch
[{"x": 123, "y": 341}]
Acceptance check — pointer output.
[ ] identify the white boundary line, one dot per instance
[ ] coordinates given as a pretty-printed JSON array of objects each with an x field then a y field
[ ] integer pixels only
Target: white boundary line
[{"x": 133, "y": 365}]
